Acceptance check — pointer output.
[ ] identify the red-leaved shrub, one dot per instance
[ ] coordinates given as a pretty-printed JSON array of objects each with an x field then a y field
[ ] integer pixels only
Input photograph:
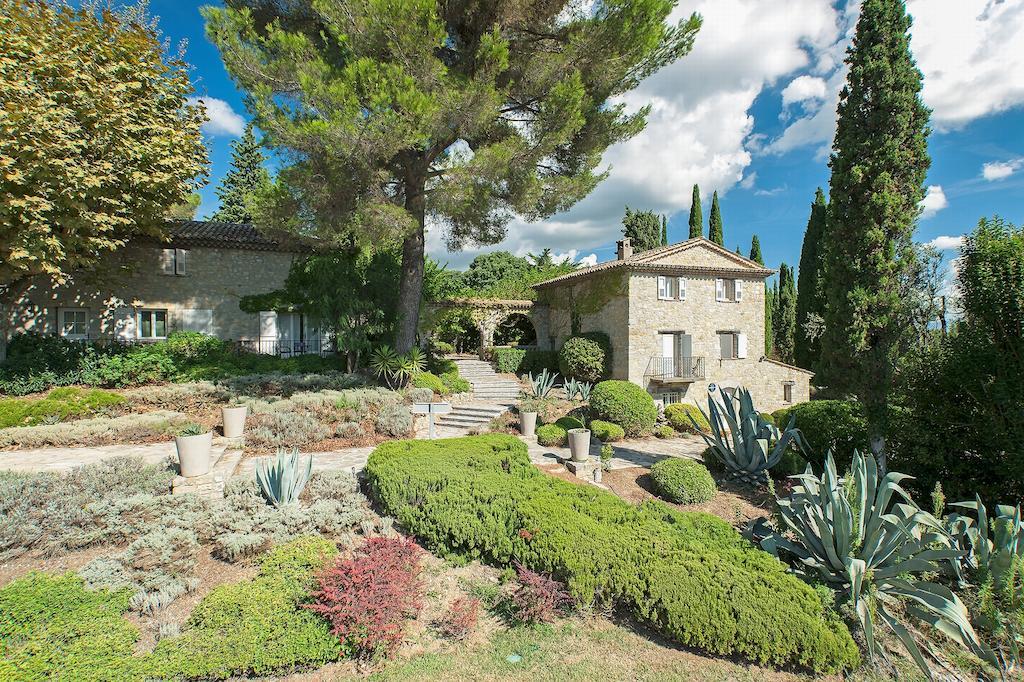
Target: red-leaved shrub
[
  {"x": 538, "y": 597},
  {"x": 460, "y": 619},
  {"x": 368, "y": 598}
]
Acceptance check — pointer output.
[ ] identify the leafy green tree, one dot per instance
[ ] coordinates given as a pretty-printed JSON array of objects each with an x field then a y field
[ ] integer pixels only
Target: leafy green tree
[
  {"x": 541, "y": 260},
  {"x": 247, "y": 178},
  {"x": 97, "y": 141},
  {"x": 879, "y": 163},
  {"x": 810, "y": 301},
  {"x": 755, "y": 250},
  {"x": 466, "y": 113},
  {"x": 487, "y": 269},
  {"x": 715, "y": 232},
  {"x": 187, "y": 209},
  {"x": 696, "y": 217},
  {"x": 784, "y": 315},
  {"x": 643, "y": 228}
]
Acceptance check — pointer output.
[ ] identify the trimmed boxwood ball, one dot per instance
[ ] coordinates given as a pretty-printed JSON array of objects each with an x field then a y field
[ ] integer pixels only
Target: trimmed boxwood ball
[
  {"x": 606, "y": 432},
  {"x": 550, "y": 435},
  {"x": 684, "y": 481},
  {"x": 582, "y": 359},
  {"x": 678, "y": 415},
  {"x": 626, "y": 404},
  {"x": 664, "y": 431}
]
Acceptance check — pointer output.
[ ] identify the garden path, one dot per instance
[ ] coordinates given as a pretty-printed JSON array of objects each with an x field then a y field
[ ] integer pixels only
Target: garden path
[{"x": 629, "y": 453}]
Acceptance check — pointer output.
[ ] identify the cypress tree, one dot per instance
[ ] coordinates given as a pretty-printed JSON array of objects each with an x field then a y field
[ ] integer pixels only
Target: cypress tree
[
  {"x": 715, "y": 222},
  {"x": 770, "y": 294},
  {"x": 696, "y": 216},
  {"x": 810, "y": 303},
  {"x": 664, "y": 231},
  {"x": 879, "y": 163},
  {"x": 246, "y": 177},
  {"x": 784, "y": 315},
  {"x": 755, "y": 250}
]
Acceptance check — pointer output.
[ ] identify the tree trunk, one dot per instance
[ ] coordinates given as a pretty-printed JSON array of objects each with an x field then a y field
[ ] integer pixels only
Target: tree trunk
[
  {"x": 410, "y": 287},
  {"x": 878, "y": 449}
]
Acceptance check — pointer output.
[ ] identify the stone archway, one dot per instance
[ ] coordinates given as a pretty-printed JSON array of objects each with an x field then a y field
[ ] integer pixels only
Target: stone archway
[{"x": 488, "y": 313}]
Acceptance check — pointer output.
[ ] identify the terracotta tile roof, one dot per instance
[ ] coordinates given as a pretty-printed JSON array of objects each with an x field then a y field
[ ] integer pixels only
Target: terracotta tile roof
[
  {"x": 214, "y": 234},
  {"x": 647, "y": 260}
]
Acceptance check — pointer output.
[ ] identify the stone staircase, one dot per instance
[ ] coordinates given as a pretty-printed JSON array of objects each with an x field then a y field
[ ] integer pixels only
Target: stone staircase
[{"x": 492, "y": 395}]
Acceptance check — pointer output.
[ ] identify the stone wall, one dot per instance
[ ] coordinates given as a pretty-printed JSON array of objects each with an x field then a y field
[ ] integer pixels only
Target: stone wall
[{"x": 204, "y": 298}]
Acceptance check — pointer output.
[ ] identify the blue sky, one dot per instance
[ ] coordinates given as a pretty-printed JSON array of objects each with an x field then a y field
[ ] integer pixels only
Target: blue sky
[{"x": 751, "y": 113}]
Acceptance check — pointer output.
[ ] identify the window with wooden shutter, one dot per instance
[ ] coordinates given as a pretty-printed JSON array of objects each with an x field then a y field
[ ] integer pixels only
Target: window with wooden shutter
[
  {"x": 741, "y": 346},
  {"x": 719, "y": 289},
  {"x": 681, "y": 285},
  {"x": 738, "y": 286},
  {"x": 727, "y": 342},
  {"x": 662, "y": 287},
  {"x": 167, "y": 261},
  {"x": 180, "y": 261}
]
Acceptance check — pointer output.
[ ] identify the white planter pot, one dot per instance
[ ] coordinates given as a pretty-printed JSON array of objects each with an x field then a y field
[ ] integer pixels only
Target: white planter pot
[
  {"x": 194, "y": 454},
  {"x": 527, "y": 423},
  {"x": 579, "y": 444},
  {"x": 234, "y": 420}
]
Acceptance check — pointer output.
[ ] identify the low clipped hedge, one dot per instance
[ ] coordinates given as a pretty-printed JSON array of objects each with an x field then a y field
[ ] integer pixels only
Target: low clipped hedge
[
  {"x": 60, "y": 404},
  {"x": 431, "y": 381},
  {"x": 606, "y": 432},
  {"x": 523, "y": 361},
  {"x": 683, "y": 481},
  {"x": 688, "y": 575},
  {"x": 552, "y": 435},
  {"x": 626, "y": 404},
  {"x": 678, "y": 416},
  {"x": 824, "y": 424},
  {"x": 507, "y": 360},
  {"x": 455, "y": 383}
]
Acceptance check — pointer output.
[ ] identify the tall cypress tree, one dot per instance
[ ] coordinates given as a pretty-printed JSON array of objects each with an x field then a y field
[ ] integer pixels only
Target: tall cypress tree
[
  {"x": 810, "y": 302},
  {"x": 246, "y": 177},
  {"x": 696, "y": 216},
  {"x": 770, "y": 294},
  {"x": 784, "y": 315},
  {"x": 715, "y": 222},
  {"x": 664, "y": 231},
  {"x": 879, "y": 163},
  {"x": 755, "y": 250}
]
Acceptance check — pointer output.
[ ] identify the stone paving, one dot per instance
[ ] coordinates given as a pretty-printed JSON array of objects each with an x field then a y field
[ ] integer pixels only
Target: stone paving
[{"x": 66, "y": 459}]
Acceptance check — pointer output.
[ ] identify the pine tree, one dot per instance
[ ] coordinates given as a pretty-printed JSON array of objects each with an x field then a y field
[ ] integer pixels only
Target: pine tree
[
  {"x": 643, "y": 229},
  {"x": 755, "y": 250},
  {"x": 810, "y": 303},
  {"x": 696, "y": 216},
  {"x": 770, "y": 295},
  {"x": 715, "y": 233},
  {"x": 879, "y": 163},
  {"x": 664, "y": 231},
  {"x": 784, "y": 315},
  {"x": 246, "y": 177}
]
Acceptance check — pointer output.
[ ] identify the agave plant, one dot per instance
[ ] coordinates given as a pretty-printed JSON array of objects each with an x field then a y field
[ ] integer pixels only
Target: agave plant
[
  {"x": 396, "y": 369},
  {"x": 865, "y": 537},
  {"x": 282, "y": 477},
  {"x": 584, "y": 389},
  {"x": 543, "y": 383},
  {"x": 744, "y": 442},
  {"x": 577, "y": 389}
]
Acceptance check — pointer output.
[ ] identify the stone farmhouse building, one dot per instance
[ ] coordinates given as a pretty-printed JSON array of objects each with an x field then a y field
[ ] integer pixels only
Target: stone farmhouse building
[
  {"x": 680, "y": 318},
  {"x": 192, "y": 282}
]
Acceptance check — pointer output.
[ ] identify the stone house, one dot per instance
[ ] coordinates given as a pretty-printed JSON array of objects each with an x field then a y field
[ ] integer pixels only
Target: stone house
[
  {"x": 680, "y": 318},
  {"x": 192, "y": 282}
]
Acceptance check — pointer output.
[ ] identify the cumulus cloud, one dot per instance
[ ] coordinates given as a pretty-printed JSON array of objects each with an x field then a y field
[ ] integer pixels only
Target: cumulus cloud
[
  {"x": 933, "y": 202},
  {"x": 803, "y": 88},
  {"x": 946, "y": 243},
  {"x": 221, "y": 118},
  {"x": 998, "y": 170}
]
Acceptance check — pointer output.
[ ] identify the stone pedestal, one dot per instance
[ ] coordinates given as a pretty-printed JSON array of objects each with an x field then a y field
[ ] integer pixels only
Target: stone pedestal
[
  {"x": 211, "y": 484},
  {"x": 589, "y": 470}
]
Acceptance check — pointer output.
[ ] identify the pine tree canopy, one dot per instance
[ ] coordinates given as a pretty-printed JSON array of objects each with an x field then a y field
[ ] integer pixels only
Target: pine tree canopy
[
  {"x": 810, "y": 300},
  {"x": 755, "y": 250},
  {"x": 715, "y": 232},
  {"x": 246, "y": 180},
  {"x": 696, "y": 216},
  {"x": 879, "y": 163},
  {"x": 464, "y": 112},
  {"x": 644, "y": 229}
]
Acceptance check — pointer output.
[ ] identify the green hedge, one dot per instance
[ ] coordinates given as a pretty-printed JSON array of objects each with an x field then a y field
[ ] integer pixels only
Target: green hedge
[
  {"x": 606, "y": 432},
  {"x": 838, "y": 424},
  {"x": 61, "y": 404},
  {"x": 683, "y": 481},
  {"x": 678, "y": 415},
  {"x": 688, "y": 575},
  {"x": 626, "y": 404},
  {"x": 551, "y": 435},
  {"x": 507, "y": 360},
  {"x": 582, "y": 358},
  {"x": 520, "y": 361},
  {"x": 431, "y": 381},
  {"x": 455, "y": 383}
]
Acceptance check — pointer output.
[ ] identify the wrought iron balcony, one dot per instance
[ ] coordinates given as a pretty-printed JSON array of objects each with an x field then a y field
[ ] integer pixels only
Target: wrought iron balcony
[{"x": 675, "y": 370}]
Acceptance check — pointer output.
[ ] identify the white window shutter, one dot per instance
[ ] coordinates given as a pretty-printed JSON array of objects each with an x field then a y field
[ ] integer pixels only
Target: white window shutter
[
  {"x": 167, "y": 261},
  {"x": 662, "y": 287},
  {"x": 682, "y": 288},
  {"x": 719, "y": 289},
  {"x": 739, "y": 290},
  {"x": 180, "y": 261},
  {"x": 741, "y": 346},
  {"x": 268, "y": 324}
]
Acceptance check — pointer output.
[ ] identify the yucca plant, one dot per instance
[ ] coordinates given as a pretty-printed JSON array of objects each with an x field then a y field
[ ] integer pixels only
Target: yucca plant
[
  {"x": 281, "y": 478},
  {"x": 543, "y": 383},
  {"x": 864, "y": 537},
  {"x": 744, "y": 442},
  {"x": 395, "y": 369}
]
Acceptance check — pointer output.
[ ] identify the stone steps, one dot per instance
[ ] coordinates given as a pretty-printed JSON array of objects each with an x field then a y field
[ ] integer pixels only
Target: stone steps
[
  {"x": 471, "y": 416},
  {"x": 487, "y": 384}
]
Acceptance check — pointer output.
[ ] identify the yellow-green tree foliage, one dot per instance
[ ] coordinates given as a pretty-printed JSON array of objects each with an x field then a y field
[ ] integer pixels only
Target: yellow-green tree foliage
[{"x": 97, "y": 140}]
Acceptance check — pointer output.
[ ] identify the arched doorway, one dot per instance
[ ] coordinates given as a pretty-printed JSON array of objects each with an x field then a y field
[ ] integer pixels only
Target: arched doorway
[
  {"x": 496, "y": 322},
  {"x": 515, "y": 330}
]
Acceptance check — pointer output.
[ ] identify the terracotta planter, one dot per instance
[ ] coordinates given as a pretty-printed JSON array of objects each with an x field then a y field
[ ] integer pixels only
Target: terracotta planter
[
  {"x": 194, "y": 454},
  {"x": 579, "y": 444},
  {"x": 528, "y": 423},
  {"x": 233, "y": 418}
]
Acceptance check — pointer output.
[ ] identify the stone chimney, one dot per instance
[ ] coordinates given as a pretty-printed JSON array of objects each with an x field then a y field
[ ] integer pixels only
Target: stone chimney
[{"x": 624, "y": 248}]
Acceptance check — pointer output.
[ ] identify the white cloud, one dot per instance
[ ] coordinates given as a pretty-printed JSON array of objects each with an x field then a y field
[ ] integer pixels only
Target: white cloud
[
  {"x": 946, "y": 243},
  {"x": 748, "y": 180},
  {"x": 587, "y": 261},
  {"x": 933, "y": 202},
  {"x": 803, "y": 88},
  {"x": 221, "y": 118},
  {"x": 998, "y": 170}
]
